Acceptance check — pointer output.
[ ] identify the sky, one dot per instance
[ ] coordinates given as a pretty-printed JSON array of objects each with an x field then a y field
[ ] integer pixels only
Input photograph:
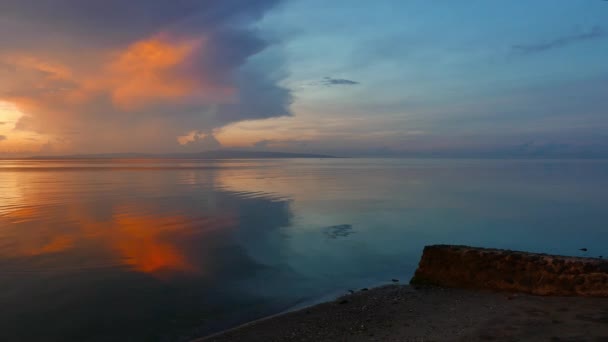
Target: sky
[{"x": 472, "y": 78}]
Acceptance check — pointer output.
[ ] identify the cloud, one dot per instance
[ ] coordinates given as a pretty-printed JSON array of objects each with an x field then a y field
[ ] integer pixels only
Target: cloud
[
  {"x": 330, "y": 81},
  {"x": 594, "y": 33},
  {"x": 144, "y": 75},
  {"x": 197, "y": 140}
]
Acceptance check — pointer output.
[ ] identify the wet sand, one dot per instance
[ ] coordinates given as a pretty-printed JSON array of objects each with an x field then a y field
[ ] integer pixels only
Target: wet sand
[{"x": 404, "y": 313}]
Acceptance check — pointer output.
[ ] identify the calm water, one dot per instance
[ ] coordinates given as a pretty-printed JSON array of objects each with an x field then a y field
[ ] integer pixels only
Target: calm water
[{"x": 146, "y": 250}]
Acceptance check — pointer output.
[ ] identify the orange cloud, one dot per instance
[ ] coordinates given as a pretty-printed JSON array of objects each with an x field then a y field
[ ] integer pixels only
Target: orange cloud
[
  {"x": 144, "y": 73},
  {"x": 148, "y": 70},
  {"x": 52, "y": 70},
  {"x": 56, "y": 97},
  {"x": 122, "y": 85}
]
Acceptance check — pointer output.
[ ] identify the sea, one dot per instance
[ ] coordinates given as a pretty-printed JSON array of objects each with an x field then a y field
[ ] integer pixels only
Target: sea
[{"x": 172, "y": 250}]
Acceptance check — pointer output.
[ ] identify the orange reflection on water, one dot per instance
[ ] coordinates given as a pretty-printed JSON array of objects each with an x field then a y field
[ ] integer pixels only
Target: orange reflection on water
[
  {"x": 34, "y": 245},
  {"x": 146, "y": 242},
  {"x": 20, "y": 214},
  {"x": 55, "y": 245},
  {"x": 142, "y": 241}
]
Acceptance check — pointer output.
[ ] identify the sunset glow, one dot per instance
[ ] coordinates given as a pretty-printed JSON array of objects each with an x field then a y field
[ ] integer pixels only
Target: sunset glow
[
  {"x": 171, "y": 169},
  {"x": 9, "y": 114},
  {"x": 189, "y": 83}
]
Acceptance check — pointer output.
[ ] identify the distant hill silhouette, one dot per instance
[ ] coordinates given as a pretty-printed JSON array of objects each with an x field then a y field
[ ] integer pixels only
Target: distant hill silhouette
[{"x": 217, "y": 154}]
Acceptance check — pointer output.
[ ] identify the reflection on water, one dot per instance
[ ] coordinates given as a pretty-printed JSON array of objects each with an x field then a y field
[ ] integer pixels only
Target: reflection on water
[
  {"x": 106, "y": 250},
  {"x": 341, "y": 230}
]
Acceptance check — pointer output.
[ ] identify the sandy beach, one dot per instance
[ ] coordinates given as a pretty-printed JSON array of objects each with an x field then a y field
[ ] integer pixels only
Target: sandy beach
[{"x": 405, "y": 313}]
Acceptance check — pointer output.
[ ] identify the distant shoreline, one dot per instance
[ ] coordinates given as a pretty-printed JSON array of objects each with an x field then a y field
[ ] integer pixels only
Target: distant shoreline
[
  {"x": 280, "y": 155},
  {"x": 218, "y": 154}
]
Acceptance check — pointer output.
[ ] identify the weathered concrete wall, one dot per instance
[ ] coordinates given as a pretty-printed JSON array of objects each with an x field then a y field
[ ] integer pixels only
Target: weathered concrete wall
[{"x": 540, "y": 274}]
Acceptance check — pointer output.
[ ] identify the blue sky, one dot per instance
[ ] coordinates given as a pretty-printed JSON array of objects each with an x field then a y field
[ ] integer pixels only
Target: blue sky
[
  {"x": 444, "y": 75},
  {"x": 456, "y": 78}
]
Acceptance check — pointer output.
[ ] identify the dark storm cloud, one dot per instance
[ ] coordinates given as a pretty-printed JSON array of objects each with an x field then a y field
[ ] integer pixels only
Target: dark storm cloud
[
  {"x": 594, "y": 33},
  {"x": 137, "y": 74},
  {"x": 128, "y": 20},
  {"x": 330, "y": 81}
]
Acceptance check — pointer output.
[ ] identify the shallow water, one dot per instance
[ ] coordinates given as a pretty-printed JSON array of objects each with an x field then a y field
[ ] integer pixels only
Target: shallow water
[{"x": 147, "y": 250}]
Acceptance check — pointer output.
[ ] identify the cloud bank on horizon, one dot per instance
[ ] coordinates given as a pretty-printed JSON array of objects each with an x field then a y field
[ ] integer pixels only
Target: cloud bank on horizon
[{"x": 353, "y": 77}]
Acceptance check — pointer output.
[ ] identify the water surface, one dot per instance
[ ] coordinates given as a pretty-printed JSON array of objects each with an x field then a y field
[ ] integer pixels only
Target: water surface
[{"x": 164, "y": 250}]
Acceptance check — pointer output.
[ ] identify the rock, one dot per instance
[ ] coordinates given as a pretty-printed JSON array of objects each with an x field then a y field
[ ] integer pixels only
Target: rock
[{"x": 512, "y": 271}]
